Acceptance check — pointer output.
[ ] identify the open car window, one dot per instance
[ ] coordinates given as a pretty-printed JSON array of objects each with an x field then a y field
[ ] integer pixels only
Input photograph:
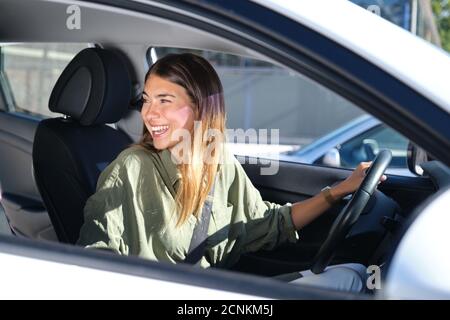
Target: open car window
[{"x": 275, "y": 113}]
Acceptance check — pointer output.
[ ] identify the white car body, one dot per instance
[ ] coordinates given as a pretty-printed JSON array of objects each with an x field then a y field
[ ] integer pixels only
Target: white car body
[{"x": 27, "y": 278}]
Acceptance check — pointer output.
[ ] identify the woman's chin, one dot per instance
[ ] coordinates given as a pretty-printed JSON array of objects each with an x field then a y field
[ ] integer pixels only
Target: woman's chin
[
  {"x": 159, "y": 146},
  {"x": 163, "y": 144}
]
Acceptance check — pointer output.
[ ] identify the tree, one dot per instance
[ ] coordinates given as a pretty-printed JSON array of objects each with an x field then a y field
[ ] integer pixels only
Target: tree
[{"x": 441, "y": 10}]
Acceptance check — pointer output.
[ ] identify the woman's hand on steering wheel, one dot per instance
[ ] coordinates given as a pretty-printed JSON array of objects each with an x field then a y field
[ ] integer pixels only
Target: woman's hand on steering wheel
[
  {"x": 362, "y": 182},
  {"x": 352, "y": 183}
]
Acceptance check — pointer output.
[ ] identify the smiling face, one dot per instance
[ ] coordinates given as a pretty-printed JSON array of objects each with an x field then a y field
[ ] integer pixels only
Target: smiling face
[{"x": 166, "y": 108}]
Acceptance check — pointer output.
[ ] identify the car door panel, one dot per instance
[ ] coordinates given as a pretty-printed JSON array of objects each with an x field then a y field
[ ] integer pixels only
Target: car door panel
[{"x": 21, "y": 199}]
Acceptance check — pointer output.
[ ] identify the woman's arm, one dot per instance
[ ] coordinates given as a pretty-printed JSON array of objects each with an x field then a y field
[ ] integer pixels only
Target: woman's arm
[{"x": 304, "y": 212}]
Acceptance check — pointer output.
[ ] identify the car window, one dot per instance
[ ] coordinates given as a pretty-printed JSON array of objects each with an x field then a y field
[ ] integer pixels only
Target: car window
[
  {"x": 273, "y": 112},
  {"x": 30, "y": 71}
]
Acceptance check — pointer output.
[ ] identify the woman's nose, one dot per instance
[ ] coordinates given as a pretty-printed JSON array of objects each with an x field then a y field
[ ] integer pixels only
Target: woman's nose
[{"x": 151, "y": 113}]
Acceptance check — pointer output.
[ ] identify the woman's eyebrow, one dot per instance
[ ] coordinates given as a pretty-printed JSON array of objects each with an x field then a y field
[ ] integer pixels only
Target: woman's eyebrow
[{"x": 163, "y": 95}]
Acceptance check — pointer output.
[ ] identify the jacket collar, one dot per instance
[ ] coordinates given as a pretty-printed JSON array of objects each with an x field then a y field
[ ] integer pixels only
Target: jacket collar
[{"x": 170, "y": 166}]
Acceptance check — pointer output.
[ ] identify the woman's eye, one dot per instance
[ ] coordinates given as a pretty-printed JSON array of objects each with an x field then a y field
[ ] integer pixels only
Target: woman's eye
[{"x": 165, "y": 101}]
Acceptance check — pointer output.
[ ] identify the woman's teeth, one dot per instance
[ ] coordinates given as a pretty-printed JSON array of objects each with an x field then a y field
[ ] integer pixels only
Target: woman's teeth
[{"x": 158, "y": 130}]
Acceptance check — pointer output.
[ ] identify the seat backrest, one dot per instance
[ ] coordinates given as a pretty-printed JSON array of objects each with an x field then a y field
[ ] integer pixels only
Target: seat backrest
[{"x": 70, "y": 152}]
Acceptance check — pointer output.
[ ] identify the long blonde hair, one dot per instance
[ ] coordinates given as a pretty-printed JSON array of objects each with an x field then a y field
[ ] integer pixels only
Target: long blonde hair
[{"x": 202, "y": 84}]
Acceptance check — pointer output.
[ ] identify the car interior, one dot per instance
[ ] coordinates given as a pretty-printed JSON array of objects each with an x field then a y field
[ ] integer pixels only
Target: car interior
[
  {"x": 4, "y": 224},
  {"x": 49, "y": 165}
]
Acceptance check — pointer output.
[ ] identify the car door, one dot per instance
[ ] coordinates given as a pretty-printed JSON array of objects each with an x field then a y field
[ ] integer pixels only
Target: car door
[{"x": 27, "y": 75}]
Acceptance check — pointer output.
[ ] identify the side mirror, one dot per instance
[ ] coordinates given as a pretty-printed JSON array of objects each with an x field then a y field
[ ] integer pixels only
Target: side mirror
[
  {"x": 415, "y": 157},
  {"x": 332, "y": 158}
]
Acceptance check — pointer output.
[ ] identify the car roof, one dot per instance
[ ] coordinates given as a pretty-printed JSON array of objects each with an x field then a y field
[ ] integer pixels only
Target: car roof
[{"x": 377, "y": 40}]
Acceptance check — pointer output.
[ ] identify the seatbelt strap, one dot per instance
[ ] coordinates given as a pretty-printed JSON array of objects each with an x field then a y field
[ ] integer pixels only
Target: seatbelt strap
[
  {"x": 198, "y": 241},
  {"x": 200, "y": 234}
]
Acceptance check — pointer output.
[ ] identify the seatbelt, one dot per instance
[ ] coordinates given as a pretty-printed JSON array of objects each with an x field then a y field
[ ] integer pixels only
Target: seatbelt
[
  {"x": 200, "y": 234},
  {"x": 198, "y": 241}
]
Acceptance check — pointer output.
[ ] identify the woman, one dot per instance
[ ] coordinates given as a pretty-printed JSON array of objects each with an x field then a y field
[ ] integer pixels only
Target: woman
[{"x": 148, "y": 200}]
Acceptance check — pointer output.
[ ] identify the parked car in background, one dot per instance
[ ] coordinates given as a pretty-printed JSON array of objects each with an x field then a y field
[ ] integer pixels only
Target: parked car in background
[{"x": 359, "y": 140}]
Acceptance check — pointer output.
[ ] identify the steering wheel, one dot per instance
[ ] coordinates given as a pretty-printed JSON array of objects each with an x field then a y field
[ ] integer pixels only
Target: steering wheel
[{"x": 351, "y": 212}]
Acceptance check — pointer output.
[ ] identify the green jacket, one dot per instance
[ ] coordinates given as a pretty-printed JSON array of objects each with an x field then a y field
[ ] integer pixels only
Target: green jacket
[{"x": 133, "y": 212}]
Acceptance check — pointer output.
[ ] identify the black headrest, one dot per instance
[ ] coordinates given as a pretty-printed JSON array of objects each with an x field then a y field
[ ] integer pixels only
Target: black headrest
[{"x": 94, "y": 88}]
